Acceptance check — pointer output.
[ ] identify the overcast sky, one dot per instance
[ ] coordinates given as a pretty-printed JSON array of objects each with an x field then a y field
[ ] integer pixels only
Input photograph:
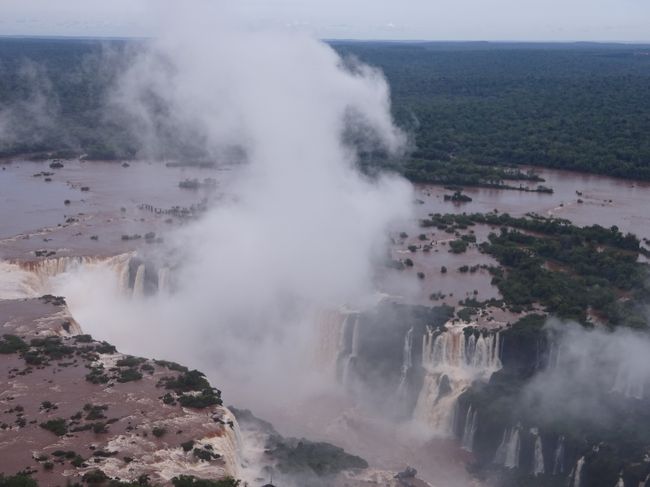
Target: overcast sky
[{"x": 528, "y": 20}]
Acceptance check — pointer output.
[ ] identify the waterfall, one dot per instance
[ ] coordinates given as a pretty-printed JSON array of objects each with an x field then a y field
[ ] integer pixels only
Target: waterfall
[
  {"x": 629, "y": 382},
  {"x": 558, "y": 458},
  {"x": 329, "y": 341},
  {"x": 353, "y": 350},
  {"x": 538, "y": 455},
  {"x": 31, "y": 279},
  {"x": 229, "y": 445},
  {"x": 512, "y": 450},
  {"x": 577, "y": 478},
  {"x": 407, "y": 362},
  {"x": 452, "y": 362},
  {"x": 138, "y": 284},
  {"x": 500, "y": 455},
  {"x": 620, "y": 482},
  {"x": 470, "y": 430},
  {"x": 163, "y": 280}
]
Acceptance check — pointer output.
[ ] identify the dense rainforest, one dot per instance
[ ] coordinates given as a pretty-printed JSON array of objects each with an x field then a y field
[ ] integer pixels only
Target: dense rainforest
[
  {"x": 469, "y": 106},
  {"x": 578, "y": 106}
]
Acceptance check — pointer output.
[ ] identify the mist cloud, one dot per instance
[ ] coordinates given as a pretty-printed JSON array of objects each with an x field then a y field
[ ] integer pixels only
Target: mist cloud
[
  {"x": 592, "y": 375},
  {"x": 302, "y": 229}
]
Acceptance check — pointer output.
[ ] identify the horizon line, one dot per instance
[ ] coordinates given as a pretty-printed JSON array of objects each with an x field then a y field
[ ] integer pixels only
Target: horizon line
[{"x": 348, "y": 39}]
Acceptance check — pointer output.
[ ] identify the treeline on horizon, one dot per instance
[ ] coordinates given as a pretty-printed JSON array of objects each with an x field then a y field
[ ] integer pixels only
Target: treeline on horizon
[{"x": 584, "y": 107}]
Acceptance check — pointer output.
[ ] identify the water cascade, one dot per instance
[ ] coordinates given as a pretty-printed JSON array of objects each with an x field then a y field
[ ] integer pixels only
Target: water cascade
[
  {"x": 577, "y": 478},
  {"x": 407, "y": 362},
  {"x": 469, "y": 430},
  {"x": 138, "y": 284},
  {"x": 329, "y": 341},
  {"x": 32, "y": 279},
  {"x": 512, "y": 450},
  {"x": 351, "y": 350},
  {"x": 630, "y": 381},
  {"x": 620, "y": 482},
  {"x": 558, "y": 457},
  {"x": 538, "y": 454},
  {"x": 452, "y": 361},
  {"x": 508, "y": 452},
  {"x": 163, "y": 280}
]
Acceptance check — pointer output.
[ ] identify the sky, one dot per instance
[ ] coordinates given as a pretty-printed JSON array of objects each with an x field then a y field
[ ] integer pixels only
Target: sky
[{"x": 523, "y": 20}]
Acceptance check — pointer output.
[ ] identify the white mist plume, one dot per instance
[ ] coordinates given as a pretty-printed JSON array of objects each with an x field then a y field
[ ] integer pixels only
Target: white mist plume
[
  {"x": 303, "y": 228},
  {"x": 591, "y": 373}
]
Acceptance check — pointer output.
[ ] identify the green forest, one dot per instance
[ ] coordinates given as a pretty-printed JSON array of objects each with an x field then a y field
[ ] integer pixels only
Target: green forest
[
  {"x": 573, "y": 106},
  {"x": 472, "y": 110}
]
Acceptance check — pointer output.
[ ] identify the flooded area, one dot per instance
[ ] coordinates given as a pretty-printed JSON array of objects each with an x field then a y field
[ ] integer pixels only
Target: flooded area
[
  {"x": 581, "y": 198},
  {"x": 88, "y": 207}
]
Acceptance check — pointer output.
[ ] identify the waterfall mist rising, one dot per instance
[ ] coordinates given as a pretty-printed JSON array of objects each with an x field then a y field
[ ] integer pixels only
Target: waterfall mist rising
[
  {"x": 300, "y": 229},
  {"x": 590, "y": 373}
]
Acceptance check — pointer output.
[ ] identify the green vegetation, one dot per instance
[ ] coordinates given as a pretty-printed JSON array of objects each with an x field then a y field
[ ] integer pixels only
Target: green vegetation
[
  {"x": 570, "y": 274},
  {"x": 191, "y": 481},
  {"x": 12, "y": 344},
  {"x": 457, "y": 246},
  {"x": 570, "y": 270},
  {"x": 191, "y": 380},
  {"x": 302, "y": 456},
  {"x": 57, "y": 426},
  {"x": 129, "y": 361},
  {"x": 129, "y": 375},
  {"x": 476, "y": 110},
  {"x": 158, "y": 431},
  {"x": 572, "y": 106},
  {"x": 18, "y": 480},
  {"x": 207, "y": 397}
]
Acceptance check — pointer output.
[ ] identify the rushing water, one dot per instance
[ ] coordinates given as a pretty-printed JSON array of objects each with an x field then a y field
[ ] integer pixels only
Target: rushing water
[{"x": 452, "y": 361}]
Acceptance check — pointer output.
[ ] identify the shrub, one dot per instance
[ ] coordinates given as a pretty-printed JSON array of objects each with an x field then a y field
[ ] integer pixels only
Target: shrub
[
  {"x": 192, "y": 380},
  {"x": 18, "y": 480},
  {"x": 159, "y": 431},
  {"x": 12, "y": 344},
  {"x": 129, "y": 375},
  {"x": 57, "y": 426},
  {"x": 208, "y": 397},
  {"x": 191, "y": 481}
]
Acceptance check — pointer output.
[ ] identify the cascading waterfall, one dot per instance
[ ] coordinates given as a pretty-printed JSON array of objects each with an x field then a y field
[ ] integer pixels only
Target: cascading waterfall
[
  {"x": 558, "y": 458},
  {"x": 34, "y": 278},
  {"x": 620, "y": 482},
  {"x": 452, "y": 362},
  {"x": 512, "y": 450},
  {"x": 407, "y": 362},
  {"x": 163, "y": 280},
  {"x": 230, "y": 444},
  {"x": 577, "y": 477},
  {"x": 469, "y": 432},
  {"x": 508, "y": 452},
  {"x": 538, "y": 453},
  {"x": 138, "y": 284},
  {"x": 348, "y": 361},
  {"x": 630, "y": 381},
  {"x": 329, "y": 341}
]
